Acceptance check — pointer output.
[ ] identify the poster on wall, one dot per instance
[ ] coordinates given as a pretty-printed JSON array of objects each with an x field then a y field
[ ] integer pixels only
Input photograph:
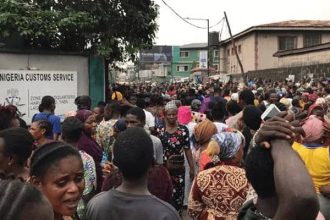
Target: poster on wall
[
  {"x": 203, "y": 59},
  {"x": 25, "y": 89}
]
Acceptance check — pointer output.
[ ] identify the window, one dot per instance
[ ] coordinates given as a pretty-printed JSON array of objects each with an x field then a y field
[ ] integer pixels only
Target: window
[
  {"x": 312, "y": 39},
  {"x": 216, "y": 54},
  {"x": 182, "y": 68},
  {"x": 287, "y": 43},
  {"x": 184, "y": 54},
  {"x": 239, "y": 49},
  {"x": 228, "y": 52}
]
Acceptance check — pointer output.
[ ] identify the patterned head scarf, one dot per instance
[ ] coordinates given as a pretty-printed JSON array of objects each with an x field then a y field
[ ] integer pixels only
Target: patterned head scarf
[
  {"x": 204, "y": 131},
  {"x": 312, "y": 107},
  {"x": 322, "y": 102},
  {"x": 313, "y": 128},
  {"x": 82, "y": 115},
  {"x": 171, "y": 106},
  {"x": 195, "y": 104},
  {"x": 229, "y": 142}
]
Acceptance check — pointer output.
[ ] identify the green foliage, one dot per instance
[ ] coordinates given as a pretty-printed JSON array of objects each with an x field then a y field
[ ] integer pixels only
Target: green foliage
[{"x": 116, "y": 29}]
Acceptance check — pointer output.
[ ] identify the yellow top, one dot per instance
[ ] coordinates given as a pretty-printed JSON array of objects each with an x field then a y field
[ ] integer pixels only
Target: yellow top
[{"x": 317, "y": 162}]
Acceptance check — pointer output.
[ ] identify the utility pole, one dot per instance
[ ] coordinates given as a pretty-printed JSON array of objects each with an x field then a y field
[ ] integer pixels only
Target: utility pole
[{"x": 235, "y": 49}]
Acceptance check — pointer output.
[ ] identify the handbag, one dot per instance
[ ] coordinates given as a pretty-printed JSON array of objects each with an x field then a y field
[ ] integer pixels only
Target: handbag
[{"x": 175, "y": 164}]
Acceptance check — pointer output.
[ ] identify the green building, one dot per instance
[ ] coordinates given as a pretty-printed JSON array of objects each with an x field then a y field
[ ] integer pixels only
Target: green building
[{"x": 187, "y": 57}]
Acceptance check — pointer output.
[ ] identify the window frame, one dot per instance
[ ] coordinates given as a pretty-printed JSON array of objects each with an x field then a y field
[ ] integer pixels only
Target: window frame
[
  {"x": 294, "y": 37},
  {"x": 178, "y": 68},
  {"x": 313, "y": 34},
  {"x": 184, "y": 51}
]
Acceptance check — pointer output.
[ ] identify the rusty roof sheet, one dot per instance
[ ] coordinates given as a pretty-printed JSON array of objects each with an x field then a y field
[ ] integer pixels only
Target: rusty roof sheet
[{"x": 298, "y": 23}]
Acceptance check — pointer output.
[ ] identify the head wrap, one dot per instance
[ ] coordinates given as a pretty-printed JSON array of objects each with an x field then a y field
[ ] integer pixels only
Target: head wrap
[
  {"x": 171, "y": 106},
  {"x": 117, "y": 96},
  {"x": 82, "y": 115},
  {"x": 234, "y": 97},
  {"x": 195, "y": 104},
  {"x": 313, "y": 97},
  {"x": 184, "y": 115},
  {"x": 321, "y": 102},
  {"x": 229, "y": 142},
  {"x": 204, "y": 131},
  {"x": 312, "y": 107},
  {"x": 313, "y": 128}
]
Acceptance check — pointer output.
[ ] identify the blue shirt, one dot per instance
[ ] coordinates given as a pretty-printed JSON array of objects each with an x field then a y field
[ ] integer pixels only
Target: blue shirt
[{"x": 54, "y": 120}]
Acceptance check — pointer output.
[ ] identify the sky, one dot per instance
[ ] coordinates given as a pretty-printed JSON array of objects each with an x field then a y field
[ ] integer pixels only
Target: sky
[{"x": 241, "y": 14}]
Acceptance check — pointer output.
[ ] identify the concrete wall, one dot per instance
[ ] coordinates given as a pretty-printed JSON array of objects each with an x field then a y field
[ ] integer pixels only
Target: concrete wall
[
  {"x": 15, "y": 61},
  {"x": 317, "y": 57},
  {"x": 318, "y": 70}
]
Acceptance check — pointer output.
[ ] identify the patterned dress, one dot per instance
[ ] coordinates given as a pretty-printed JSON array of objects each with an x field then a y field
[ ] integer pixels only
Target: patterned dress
[
  {"x": 174, "y": 144},
  {"x": 90, "y": 182},
  {"x": 104, "y": 136},
  {"x": 218, "y": 193}
]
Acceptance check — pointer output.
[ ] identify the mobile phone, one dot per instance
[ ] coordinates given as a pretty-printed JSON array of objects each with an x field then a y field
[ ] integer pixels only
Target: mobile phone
[{"x": 270, "y": 112}]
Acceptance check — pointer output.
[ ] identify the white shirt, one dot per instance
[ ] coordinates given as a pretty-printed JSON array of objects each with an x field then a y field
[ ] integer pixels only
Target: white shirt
[{"x": 150, "y": 120}]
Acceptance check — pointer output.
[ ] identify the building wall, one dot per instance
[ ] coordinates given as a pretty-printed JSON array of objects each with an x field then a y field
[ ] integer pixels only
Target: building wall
[
  {"x": 258, "y": 48},
  {"x": 312, "y": 58},
  {"x": 190, "y": 61},
  {"x": 13, "y": 61},
  {"x": 247, "y": 55}
]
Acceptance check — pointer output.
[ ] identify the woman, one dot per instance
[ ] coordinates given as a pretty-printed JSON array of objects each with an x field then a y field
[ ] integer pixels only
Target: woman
[
  {"x": 175, "y": 140},
  {"x": 15, "y": 149},
  {"x": 7, "y": 116},
  {"x": 29, "y": 202},
  {"x": 57, "y": 170},
  {"x": 47, "y": 108},
  {"x": 72, "y": 129},
  {"x": 40, "y": 130},
  {"x": 87, "y": 144},
  {"x": 203, "y": 133},
  {"x": 218, "y": 193},
  {"x": 315, "y": 155}
]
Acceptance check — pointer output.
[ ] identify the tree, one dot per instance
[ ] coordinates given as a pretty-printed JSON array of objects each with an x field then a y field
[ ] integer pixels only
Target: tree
[{"x": 115, "y": 29}]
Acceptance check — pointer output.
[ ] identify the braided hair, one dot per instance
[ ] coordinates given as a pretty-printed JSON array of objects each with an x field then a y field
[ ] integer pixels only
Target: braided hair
[
  {"x": 17, "y": 198},
  {"x": 48, "y": 155},
  {"x": 18, "y": 142}
]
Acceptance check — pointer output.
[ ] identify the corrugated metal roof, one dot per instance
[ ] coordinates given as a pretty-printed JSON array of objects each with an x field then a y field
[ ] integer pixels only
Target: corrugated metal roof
[
  {"x": 306, "y": 25},
  {"x": 194, "y": 45},
  {"x": 298, "y": 23}
]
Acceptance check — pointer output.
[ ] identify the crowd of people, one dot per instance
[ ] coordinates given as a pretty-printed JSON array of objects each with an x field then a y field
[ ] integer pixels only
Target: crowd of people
[{"x": 156, "y": 150}]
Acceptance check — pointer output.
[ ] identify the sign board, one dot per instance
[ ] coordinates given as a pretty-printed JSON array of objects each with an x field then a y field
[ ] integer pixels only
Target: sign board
[
  {"x": 291, "y": 78},
  {"x": 203, "y": 59},
  {"x": 25, "y": 89}
]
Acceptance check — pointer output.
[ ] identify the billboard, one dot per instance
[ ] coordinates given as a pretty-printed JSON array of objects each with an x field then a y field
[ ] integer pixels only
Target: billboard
[
  {"x": 203, "y": 59},
  {"x": 157, "y": 54},
  {"x": 25, "y": 89}
]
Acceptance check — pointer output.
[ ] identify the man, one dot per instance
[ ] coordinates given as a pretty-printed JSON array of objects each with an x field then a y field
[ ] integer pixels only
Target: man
[
  {"x": 150, "y": 119},
  {"x": 83, "y": 102},
  {"x": 133, "y": 155},
  {"x": 136, "y": 118},
  {"x": 246, "y": 97},
  {"x": 284, "y": 187},
  {"x": 104, "y": 130}
]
